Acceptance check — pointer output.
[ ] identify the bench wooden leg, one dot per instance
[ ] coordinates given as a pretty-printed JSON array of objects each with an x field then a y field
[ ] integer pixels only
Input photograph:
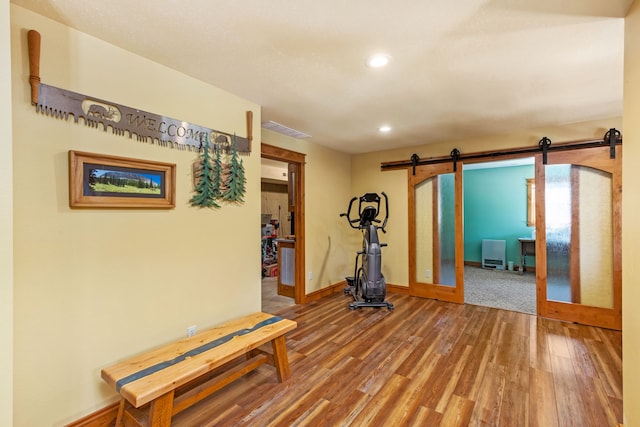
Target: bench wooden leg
[
  {"x": 161, "y": 410},
  {"x": 280, "y": 359},
  {"x": 120, "y": 412}
]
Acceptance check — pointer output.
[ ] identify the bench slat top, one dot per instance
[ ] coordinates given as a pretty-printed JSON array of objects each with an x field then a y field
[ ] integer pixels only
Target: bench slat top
[{"x": 147, "y": 376}]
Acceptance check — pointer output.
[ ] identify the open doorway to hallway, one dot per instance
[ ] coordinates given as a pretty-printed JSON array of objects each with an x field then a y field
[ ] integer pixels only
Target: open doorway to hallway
[{"x": 276, "y": 225}]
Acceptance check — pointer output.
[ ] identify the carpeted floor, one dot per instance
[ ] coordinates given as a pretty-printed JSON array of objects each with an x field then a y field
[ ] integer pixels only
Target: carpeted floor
[{"x": 500, "y": 289}]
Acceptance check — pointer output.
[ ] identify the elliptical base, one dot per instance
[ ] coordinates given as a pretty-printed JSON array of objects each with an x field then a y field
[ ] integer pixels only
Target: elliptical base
[
  {"x": 360, "y": 304},
  {"x": 354, "y": 291}
]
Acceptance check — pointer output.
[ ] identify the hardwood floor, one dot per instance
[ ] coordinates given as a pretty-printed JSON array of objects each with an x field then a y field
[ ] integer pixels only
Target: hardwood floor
[{"x": 427, "y": 363}]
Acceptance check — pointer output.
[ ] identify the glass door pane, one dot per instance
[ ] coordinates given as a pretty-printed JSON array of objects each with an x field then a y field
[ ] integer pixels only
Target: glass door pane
[
  {"x": 424, "y": 271},
  {"x": 435, "y": 231},
  {"x": 447, "y": 229},
  {"x": 579, "y": 235},
  {"x": 435, "y": 201},
  {"x": 558, "y": 221},
  {"x": 596, "y": 238}
]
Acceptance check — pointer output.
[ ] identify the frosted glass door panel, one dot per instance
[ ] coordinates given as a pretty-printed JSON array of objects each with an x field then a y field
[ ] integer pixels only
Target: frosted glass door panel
[
  {"x": 424, "y": 231},
  {"x": 579, "y": 235},
  {"x": 558, "y": 221},
  {"x": 435, "y": 242},
  {"x": 596, "y": 237},
  {"x": 447, "y": 229}
]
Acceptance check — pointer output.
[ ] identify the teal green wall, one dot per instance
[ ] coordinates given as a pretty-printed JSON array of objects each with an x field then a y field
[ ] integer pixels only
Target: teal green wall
[{"x": 495, "y": 207}]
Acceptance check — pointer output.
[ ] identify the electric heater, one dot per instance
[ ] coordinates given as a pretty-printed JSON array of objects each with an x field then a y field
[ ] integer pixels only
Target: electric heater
[{"x": 493, "y": 254}]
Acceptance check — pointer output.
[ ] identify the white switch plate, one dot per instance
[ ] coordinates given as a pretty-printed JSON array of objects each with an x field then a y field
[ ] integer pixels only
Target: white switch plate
[{"x": 191, "y": 331}]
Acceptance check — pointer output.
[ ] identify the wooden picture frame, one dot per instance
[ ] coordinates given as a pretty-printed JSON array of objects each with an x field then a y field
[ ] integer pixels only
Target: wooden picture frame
[
  {"x": 531, "y": 202},
  {"x": 104, "y": 181}
]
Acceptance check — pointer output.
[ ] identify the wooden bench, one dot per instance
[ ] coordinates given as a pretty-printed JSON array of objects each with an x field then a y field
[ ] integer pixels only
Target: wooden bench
[{"x": 159, "y": 384}]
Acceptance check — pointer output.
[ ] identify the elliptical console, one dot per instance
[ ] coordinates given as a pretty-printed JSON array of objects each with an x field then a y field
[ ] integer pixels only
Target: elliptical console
[{"x": 368, "y": 285}]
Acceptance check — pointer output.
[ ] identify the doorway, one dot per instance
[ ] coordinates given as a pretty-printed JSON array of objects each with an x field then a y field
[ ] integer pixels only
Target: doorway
[
  {"x": 276, "y": 226},
  {"x": 497, "y": 227},
  {"x": 290, "y": 247}
]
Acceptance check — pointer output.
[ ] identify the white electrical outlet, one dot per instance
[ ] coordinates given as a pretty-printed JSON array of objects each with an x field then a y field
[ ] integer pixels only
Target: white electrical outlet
[
  {"x": 427, "y": 273},
  {"x": 191, "y": 331},
  {"x": 310, "y": 275}
]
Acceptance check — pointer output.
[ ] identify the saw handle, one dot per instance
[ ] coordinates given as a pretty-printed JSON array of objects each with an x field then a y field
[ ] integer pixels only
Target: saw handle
[
  {"x": 33, "y": 41},
  {"x": 249, "y": 127}
]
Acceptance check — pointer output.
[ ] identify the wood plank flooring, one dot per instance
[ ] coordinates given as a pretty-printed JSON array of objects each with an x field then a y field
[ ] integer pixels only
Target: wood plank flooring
[{"x": 427, "y": 363}]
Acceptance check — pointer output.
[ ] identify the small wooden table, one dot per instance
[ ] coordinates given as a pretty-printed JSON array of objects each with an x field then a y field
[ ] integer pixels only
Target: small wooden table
[
  {"x": 159, "y": 384},
  {"x": 527, "y": 248}
]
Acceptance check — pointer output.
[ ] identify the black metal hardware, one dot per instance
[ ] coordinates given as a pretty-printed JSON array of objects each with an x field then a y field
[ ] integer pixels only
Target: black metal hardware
[
  {"x": 544, "y": 146},
  {"x": 611, "y": 137},
  {"x": 455, "y": 154},
  {"x": 414, "y": 162}
]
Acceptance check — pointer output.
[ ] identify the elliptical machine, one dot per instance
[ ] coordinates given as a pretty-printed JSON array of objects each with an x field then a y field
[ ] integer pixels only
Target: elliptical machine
[{"x": 368, "y": 285}]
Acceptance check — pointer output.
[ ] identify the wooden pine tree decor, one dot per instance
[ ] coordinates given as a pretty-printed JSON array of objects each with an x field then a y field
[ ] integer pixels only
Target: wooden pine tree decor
[
  {"x": 235, "y": 179},
  {"x": 207, "y": 178},
  {"x": 217, "y": 173}
]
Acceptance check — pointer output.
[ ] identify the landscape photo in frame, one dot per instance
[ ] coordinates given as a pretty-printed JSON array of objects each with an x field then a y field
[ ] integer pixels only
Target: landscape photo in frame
[{"x": 104, "y": 181}]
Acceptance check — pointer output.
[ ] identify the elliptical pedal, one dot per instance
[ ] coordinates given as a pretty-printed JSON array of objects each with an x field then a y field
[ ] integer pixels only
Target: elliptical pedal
[{"x": 351, "y": 283}]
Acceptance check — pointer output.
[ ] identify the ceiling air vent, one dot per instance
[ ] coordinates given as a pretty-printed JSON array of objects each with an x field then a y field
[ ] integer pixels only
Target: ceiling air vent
[{"x": 277, "y": 127}]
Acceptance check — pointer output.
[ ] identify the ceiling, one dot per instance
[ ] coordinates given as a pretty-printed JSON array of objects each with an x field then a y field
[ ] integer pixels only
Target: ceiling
[{"x": 459, "y": 68}]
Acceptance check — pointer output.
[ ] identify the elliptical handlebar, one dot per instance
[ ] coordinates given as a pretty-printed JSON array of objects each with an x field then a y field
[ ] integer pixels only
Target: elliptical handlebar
[
  {"x": 348, "y": 214},
  {"x": 362, "y": 220},
  {"x": 386, "y": 212}
]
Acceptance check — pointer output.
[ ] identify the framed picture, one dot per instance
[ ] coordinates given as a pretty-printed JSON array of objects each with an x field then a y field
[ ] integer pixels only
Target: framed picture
[{"x": 103, "y": 181}]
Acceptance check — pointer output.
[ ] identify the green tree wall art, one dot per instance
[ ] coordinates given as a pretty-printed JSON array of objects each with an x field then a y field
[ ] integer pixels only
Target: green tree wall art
[
  {"x": 215, "y": 181},
  {"x": 207, "y": 189},
  {"x": 235, "y": 180}
]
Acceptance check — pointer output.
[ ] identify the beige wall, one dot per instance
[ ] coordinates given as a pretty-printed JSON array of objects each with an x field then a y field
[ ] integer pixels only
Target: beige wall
[
  {"x": 367, "y": 176},
  {"x": 631, "y": 220},
  {"x": 6, "y": 224},
  {"x": 327, "y": 194},
  {"x": 94, "y": 286}
]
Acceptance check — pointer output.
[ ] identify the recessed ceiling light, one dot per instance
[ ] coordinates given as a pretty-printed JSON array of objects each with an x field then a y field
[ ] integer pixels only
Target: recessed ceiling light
[
  {"x": 384, "y": 129},
  {"x": 378, "y": 60}
]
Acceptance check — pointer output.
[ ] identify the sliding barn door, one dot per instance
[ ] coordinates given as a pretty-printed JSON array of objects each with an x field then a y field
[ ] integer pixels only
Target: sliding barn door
[
  {"x": 435, "y": 233},
  {"x": 578, "y": 245}
]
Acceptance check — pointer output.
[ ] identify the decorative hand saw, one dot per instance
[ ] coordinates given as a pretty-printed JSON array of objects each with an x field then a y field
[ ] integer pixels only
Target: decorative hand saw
[{"x": 123, "y": 120}]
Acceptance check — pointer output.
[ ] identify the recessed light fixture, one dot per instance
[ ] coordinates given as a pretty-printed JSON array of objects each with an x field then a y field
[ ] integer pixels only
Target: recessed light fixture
[
  {"x": 385, "y": 128},
  {"x": 378, "y": 60}
]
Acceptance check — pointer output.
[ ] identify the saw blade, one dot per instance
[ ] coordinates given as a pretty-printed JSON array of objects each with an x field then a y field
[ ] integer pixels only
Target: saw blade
[
  {"x": 127, "y": 121},
  {"x": 123, "y": 120}
]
